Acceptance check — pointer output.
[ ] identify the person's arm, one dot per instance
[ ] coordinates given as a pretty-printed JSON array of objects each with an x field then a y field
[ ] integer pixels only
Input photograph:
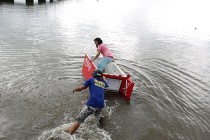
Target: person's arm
[
  {"x": 79, "y": 88},
  {"x": 106, "y": 84},
  {"x": 97, "y": 55},
  {"x": 104, "y": 78}
]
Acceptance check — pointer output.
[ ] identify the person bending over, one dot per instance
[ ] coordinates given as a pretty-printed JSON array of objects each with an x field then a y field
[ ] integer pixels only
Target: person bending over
[
  {"x": 95, "y": 103},
  {"x": 104, "y": 50}
]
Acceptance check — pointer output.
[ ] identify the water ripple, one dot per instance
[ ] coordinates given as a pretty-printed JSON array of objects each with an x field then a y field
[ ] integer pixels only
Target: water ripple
[{"x": 177, "y": 93}]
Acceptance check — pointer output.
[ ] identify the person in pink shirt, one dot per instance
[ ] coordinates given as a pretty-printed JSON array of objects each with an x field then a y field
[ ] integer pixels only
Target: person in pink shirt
[{"x": 104, "y": 50}]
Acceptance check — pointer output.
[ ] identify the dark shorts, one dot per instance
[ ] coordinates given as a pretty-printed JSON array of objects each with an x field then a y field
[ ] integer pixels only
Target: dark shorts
[{"x": 87, "y": 112}]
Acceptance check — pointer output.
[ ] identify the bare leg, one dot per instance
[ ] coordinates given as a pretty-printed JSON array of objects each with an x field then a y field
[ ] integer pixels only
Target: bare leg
[{"x": 74, "y": 127}]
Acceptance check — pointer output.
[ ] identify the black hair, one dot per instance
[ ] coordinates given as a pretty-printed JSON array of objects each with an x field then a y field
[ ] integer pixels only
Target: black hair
[
  {"x": 98, "y": 40},
  {"x": 97, "y": 73}
]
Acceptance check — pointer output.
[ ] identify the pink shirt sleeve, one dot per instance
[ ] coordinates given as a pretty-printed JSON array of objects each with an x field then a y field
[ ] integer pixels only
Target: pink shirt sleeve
[{"x": 105, "y": 51}]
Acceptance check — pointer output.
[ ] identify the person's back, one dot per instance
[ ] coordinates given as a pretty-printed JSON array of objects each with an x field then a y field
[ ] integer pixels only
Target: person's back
[
  {"x": 96, "y": 87},
  {"x": 104, "y": 50},
  {"x": 95, "y": 103}
]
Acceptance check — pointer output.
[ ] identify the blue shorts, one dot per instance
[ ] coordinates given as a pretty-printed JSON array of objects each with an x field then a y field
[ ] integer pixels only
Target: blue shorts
[{"x": 104, "y": 61}]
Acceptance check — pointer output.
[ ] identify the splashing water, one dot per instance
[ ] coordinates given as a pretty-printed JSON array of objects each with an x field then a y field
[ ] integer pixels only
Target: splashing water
[{"x": 87, "y": 130}]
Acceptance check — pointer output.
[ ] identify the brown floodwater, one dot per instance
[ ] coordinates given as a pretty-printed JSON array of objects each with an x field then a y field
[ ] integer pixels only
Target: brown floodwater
[{"x": 164, "y": 46}]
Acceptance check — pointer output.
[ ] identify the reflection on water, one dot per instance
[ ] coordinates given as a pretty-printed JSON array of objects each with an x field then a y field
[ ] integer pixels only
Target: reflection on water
[
  {"x": 163, "y": 45},
  {"x": 28, "y": 2}
]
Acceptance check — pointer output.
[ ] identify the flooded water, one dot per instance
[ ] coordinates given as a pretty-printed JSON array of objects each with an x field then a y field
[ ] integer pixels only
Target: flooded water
[{"x": 164, "y": 46}]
